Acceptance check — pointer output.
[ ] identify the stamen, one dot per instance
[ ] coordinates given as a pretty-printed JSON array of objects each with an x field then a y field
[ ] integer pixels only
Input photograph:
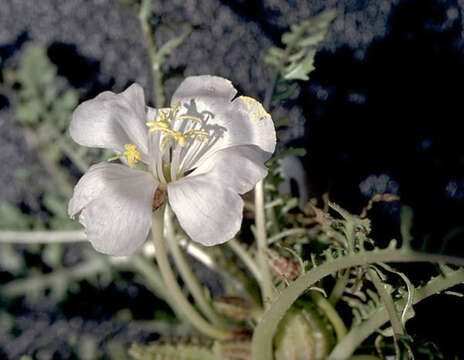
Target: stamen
[
  {"x": 201, "y": 133},
  {"x": 162, "y": 115},
  {"x": 192, "y": 118},
  {"x": 131, "y": 154},
  {"x": 174, "y": 111},
  {"x": 157, "y": 125},
  {"x": 164, "y": 143}
]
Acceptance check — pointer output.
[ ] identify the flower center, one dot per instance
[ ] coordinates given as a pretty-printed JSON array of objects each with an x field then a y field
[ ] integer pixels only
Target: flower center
[
  {"x": 176, "y": 131},
  {"x": 164, "y": 125},
  {"x": 131, "y": 154}
]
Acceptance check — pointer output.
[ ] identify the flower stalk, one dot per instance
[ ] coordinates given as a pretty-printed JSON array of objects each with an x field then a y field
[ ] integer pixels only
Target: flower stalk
[
  {"x": 186, "y": 273},
  {"x": 238, "y": 249},
  {"x": 266, "y": 285},
  {"x": 173, "y": 288}
]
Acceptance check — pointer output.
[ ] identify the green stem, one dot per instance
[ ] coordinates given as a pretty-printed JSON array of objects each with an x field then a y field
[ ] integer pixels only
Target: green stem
[
  {"x": 238, "y": 249},
  {"x": 329, "y": 311},
  {"x": 266, "y": 285},
  {"x": 285, "y": 233},
  {"x": 42, "y": 282},
  {"x": 173, "y": 288},
  {"x": 339, "y": 287},
  {"x": 264, "y": 332},
  {"x": 144, "y": 16},
  {"x": 187, "y": 275},
  {"x": 152, "y": 280},
  {"x": 387, "y": 300},
  {"x": 42, "y": 237},
  {"x": 361, "y": 332},
  {"x": 151, "y": 275}
]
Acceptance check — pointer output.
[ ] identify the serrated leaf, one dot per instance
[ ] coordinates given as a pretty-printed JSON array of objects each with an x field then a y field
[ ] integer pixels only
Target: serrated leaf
[
  {"x": 301, "y": 70},
  {"x": 296, "y": 61}
]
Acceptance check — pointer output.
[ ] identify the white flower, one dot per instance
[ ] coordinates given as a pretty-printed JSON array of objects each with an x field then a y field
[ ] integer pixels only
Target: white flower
[{"x": 200, "y": 154}]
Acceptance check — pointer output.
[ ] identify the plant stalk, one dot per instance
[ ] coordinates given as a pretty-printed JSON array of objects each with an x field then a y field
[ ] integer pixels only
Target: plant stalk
[
  {"x": 187, "y": 275},
  {"x": 263, "y": 334},
  {"x": 358, "y": 334},
  {"x": 144, "y": 16},
  {"x": 172, "y": 287},
  {"x": 266, "y": 285}
]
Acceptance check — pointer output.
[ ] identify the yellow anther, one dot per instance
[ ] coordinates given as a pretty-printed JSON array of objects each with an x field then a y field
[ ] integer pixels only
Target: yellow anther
[
  {"x": 157, "y": 125},
  {"x": 193, "y": 118},
  {"x": 131, "y": 154},
  {"x": 162, "y": 115}
]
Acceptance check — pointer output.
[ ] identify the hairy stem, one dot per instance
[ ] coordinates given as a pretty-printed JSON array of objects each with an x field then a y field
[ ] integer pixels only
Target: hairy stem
[
  {"x": 358, "y": 334},
  {"x": 41, "y": 282},
  {"x": 187, "y": 275},
  {"x": 263, "y": 335},
  {"x": 285, "y": 233},
  {"x": 173, "y": 288},
  {"x": 329, "y": 311},
  {"x": 151, "y": 275},
  {"x": 144, "y": 16},
  {"x": 387, "y": 300},
  {"x": 238, "y": 249},
  {"x": 339, "y": 287},
  {"x": 267, "y": 288},
  {"x": 43, "y": 237}
]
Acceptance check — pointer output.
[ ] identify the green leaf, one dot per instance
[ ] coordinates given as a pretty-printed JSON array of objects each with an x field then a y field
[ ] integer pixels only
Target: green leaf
[
  {"x": 296, "y": 61},
  {"x": 10, "y": 259},
  {"x": 301, "y": 69},
  {"x": 12, "y": 218},
  {"x": 282, "y": 122}
]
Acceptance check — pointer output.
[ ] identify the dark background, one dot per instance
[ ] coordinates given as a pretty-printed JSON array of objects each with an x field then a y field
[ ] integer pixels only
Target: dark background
[{"x": 380, "y": 114}]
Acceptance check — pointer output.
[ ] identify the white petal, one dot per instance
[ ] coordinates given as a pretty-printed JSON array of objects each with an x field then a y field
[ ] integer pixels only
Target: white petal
[
  {"x": 116, "y": 206},
  {"x": 238, "y": 168},
  {"x": 242, "y": 121},
  {"x": 210, "y": 213},
  {"x": 112, "y": 120}
]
